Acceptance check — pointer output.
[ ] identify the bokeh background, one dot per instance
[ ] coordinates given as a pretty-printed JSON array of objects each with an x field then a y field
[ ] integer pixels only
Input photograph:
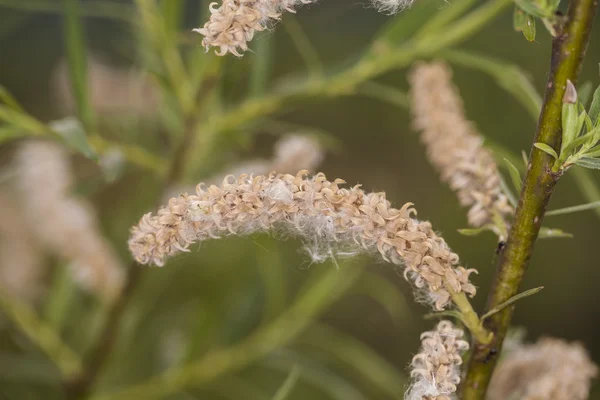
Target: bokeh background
[{"x": 357, "y": 347}]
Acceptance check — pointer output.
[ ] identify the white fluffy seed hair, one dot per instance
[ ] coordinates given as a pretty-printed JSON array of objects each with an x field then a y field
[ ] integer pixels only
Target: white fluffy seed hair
[
  {"x": 391, "y": 6},
  {"x": 333, "y": 221},
  {"x": 63, "y": 224},
  {"x": 435, "y": 371},
  {"x": 233, "y": 24}
]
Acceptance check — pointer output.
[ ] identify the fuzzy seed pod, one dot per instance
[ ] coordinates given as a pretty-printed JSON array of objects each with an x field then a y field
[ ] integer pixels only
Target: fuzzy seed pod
[
  {"x": 436, "y": 369},
  {"x": 456, "y": 149},
  {"x": 333, "y": 221}
]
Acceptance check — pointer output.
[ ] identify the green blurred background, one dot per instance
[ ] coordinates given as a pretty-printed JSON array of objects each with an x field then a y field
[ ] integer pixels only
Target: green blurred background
[{"x": 224, "y": 290}]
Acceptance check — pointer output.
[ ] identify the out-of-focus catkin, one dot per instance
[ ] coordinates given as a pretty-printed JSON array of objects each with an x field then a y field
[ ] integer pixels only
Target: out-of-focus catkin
[
  {"x": 21, "y": 267},
  {"x": 392, "y": 6},
  {"x": 550, "y": 369},
  {"x": 435, "y": 371},
  {"x": 232, "y": 25},
  {"x": 65, "y": 225},
  {"x": 455, "y": 148},
  {"x": 333, "y": 221}
]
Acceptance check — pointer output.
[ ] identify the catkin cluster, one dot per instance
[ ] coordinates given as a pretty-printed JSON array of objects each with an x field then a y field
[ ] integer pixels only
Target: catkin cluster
[
  {"x": 436, "y": 369},
  {"x": 63, "y": 224},
  {"x": 232, "y": 25},
  {"x": 333, "y": 221},
  {"x": 550, "y": 369},
  {"x": 455, "y": 148}
]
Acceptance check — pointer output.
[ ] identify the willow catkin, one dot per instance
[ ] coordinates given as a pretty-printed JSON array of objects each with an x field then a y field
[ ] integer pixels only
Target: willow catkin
[
  {"x": 391, "y": 6},
  {"x": 435, "y": 370},
  {"x": 65, "y": 225},
  {"x": 232, "y": 25},
  {"x": 21, "y": 269},
  {"x": 550, "y": 369},
  {"x": 333, "y": 221},
  {"x": 455, "y": 148}
]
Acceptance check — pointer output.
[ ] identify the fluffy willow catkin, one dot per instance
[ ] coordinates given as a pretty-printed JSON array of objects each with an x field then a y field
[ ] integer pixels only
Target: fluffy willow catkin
[
  {"x": 435, "y": 371},
  {"x": 232, "y": 25},
  {"x": 454, "y": 146},
  {"x": 63, "y": 224},
  {"x": 550, "y": 369},
  {"x": 333, "y": 221}
]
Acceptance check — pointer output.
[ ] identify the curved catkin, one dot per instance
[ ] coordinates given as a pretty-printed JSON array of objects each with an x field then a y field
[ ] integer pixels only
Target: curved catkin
[
  {"x": 63, "y": 224},
  {"x": 333, "y": 222},
  {"x": 550, "y": 369},
  {"x": 435, "y": 371},
  {"x": 455, "y": 148},
  {"x": 232, "y": 25}
]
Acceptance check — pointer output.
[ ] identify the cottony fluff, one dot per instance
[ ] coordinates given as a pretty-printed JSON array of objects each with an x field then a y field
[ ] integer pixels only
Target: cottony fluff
[
  {"x": 232, "y": 25},
  {"x": 436, "y": 369},
  {"x": 333, "y": 221}
]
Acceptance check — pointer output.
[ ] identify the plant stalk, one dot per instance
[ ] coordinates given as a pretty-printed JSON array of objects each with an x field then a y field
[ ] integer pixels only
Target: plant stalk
[{"x": 568, "y": 51}]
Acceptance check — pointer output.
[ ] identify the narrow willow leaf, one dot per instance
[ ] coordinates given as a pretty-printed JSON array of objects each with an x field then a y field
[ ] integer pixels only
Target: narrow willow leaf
[
  {"x": 529, "y": 29},
  {"x": 519, "y": 19},
  {"x": 534, "y": 9},
  {"x": 72, "y": 132},
  {"x": 591, "y": 163},
  {"x": 474, "y": 231},
  {"x": 8, "y": 133},
  {"x": 288, "y": 385},
  {"x": 515, "y": 176},
  {"x": 573, "y": 209},
  {"x": 570, "y": 118},
  {"x": 549, "y": 233},
  {"x": 261, "y": 66},
  {"x": 589, "y": 138},
  {"x": 546, "y": 149},
  {"x": 594, "y": 152},
  {"x": 512, "y": 199},
  {"x": 595, "y": 107},
  {"x": 9, "y": 100},
  {"x": 585, "y": 92},
  {"x": 510, "y": 301}
]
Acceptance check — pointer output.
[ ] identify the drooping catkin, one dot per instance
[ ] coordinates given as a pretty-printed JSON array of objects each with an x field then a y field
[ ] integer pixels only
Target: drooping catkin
[
  {"x": 455, "y": 148},
  {"x": 232, "y": 25},
  {"x": 435, "y": 371},
  {"x": 333, "y": 221},
  {"x": 64, "y": 224},
  {"x": 550, "y": 369}
]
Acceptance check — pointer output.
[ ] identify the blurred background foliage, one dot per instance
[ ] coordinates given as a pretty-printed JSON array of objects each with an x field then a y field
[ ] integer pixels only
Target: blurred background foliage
[{"x": 251, "y": 317}]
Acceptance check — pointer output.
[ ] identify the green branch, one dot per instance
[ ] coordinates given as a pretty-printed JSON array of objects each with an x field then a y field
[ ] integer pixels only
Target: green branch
[{"x": 568, "y": 51}]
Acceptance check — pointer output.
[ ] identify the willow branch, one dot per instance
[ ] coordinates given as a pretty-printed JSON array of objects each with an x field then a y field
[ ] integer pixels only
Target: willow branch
[{"x": 568, "y": 50}]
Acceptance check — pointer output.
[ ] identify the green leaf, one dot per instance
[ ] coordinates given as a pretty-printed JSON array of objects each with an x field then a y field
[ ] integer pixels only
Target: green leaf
[
  {"x": 595, "y": 107},
  {"x": 474, "y": 231},
  {"x": 570, "y": 117},
  {"x": 594, "y": 152},
  {"x": 288, "y": 385},
  {"x": 519, "y": 19},
  {"x": 546, "y": 149},
  {"x": 510, "y": 301},
  {"x": 591, "y": 163},
  {"x": 549, "y": 233},
  {"x": 515, "y": 176},
  {"x": 589, "y": 138},
  {"x": 584, "y": 92},
  {"x": 9, "y": 100},
  {"x": 573, "y": 209},
  {"x": 529, "y": 30},
  {"x": 72, "y": 132}
]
